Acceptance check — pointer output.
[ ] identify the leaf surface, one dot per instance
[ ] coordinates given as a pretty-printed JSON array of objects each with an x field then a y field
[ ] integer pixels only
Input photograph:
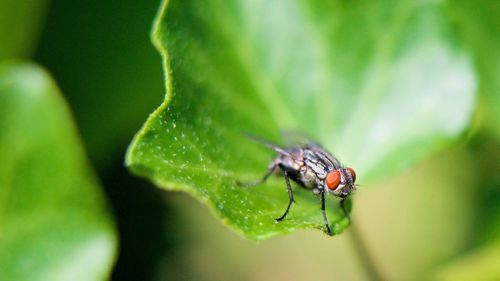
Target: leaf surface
[
  {"x": 20, "y": 23},
  {"x": 54, "y": 224},
  {"x": 479, "y": 27},
  {"x": 479, "y": 264},
  {"x": 379, "y": 83}
]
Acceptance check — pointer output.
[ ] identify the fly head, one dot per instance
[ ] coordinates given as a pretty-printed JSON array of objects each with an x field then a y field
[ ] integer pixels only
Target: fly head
[{"x": 341, "y": 182}]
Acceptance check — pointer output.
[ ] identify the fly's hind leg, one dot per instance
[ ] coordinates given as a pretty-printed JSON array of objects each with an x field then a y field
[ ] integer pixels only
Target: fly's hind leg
[
  {"x": 290, "y": 197},
  {"x": 269, "y": 172}
]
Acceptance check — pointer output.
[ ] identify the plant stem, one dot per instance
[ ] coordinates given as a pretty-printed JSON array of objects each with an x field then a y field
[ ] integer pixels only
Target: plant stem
[{"x": 366, "y": 260}]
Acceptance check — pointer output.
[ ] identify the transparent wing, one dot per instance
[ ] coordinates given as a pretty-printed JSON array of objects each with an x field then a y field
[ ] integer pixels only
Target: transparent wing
[
  {"x": 292, "y": 138},
  {"x": 268, "y": 144}
]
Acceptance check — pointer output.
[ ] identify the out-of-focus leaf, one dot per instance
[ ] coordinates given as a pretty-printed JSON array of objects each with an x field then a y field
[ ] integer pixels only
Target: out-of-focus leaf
[
  {"x": 480, "y": 264},
  {"x": 478, "y": 23},
  {"x": 53, "y": 221},
  {"x": 379, "y": 83},
  {"x": 19, "y": 26}
]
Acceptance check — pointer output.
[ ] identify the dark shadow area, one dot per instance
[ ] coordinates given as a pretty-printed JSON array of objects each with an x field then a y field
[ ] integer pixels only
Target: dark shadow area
[
  {"x": 141, "y": 214},
  {"x": 486, "y": 151},
  {"x": 111, "y": 75}
]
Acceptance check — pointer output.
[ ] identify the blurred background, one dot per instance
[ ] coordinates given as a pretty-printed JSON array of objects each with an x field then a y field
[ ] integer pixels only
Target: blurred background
[{"x": 439, "y": 220}]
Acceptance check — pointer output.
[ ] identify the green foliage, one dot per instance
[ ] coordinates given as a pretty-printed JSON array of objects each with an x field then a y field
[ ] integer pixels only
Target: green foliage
[
  {"x": 53, "y": 221},
  {"x": 478, "y": 25},
  {"x": 380, "y": 92},
  {"x": 19, "y": 27},
  {"x": 480, "y": 264}
]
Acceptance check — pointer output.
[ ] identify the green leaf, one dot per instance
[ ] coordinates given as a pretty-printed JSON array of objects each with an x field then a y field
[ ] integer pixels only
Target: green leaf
[
  {"x": 20, "y": 23},
  {"x": 479, "y": 264},
  {"x": 479, "y": 26},
  {"x": 54, "y": 224},
  {"x": 379, "y": 83}
]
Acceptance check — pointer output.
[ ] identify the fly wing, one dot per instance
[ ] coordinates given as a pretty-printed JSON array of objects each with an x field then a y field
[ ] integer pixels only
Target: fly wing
[
  {"x": 269, "y": 145},
  {"x": 292, "y": 138},
  {"x": 313, "y": 146}
]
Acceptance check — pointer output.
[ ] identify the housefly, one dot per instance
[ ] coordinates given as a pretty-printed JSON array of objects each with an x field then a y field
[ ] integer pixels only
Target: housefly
[{"x": 312, "y": 167}]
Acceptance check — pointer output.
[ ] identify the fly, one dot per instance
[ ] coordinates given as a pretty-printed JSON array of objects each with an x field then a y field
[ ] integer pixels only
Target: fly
[{"x": 312, "y": 167}]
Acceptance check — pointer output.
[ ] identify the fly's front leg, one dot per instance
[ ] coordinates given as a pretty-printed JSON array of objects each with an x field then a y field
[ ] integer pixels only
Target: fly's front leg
[
  {"x": 343, "y": 207},
  {"x": 325, "y": 219},
  {"x": 290, "y": 197},
  {"x": 269, "y": 172}
]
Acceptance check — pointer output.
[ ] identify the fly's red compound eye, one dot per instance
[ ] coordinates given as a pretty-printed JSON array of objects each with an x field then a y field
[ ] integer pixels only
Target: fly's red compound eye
[
  {"x": 353, "y": 174},
  {"x": 333, "y": 179}
]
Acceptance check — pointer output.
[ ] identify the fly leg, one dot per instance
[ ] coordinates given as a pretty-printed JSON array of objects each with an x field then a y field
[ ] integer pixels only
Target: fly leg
[
  {"x": 269, "y": 172},
  {"x": 343, "y": 207},
  {"x": 290, "y": 197},
  {"x": 325, "y": 219}
]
